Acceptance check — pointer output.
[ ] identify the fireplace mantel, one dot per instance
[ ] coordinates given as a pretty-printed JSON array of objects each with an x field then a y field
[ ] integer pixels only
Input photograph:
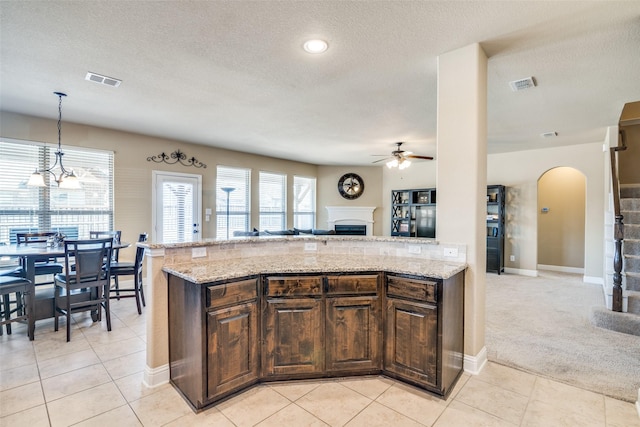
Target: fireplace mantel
[{"x": 351, "y": 215}]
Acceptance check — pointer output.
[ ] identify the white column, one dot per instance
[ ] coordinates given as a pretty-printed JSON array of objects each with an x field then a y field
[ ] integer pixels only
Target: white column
[
  {"x": 157, "y": 312},
  {"x": 462, "y": 180}
]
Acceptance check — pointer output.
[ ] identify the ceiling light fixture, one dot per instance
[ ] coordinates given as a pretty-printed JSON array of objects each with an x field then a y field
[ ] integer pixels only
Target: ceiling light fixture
[
  {"x": 65, "y": 179},
  {"x": 402, "y": 163},
  {"x": 315, "y": 46}
]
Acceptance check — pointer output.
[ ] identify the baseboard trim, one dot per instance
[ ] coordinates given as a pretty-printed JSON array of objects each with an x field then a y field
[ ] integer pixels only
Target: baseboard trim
[
  {"x": 521, "y": 272},
  {"x": 474, "y": 364},
  {"x": 154, "y": 377},
  {"x": 561, "y": 268},
  {"x": 593, "y": 279}
]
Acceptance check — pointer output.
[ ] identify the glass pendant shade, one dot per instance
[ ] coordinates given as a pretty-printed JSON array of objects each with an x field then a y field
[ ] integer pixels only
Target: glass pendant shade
[
  {"x": 70, "y": 182},
  {"x": 36, "y": 180}
]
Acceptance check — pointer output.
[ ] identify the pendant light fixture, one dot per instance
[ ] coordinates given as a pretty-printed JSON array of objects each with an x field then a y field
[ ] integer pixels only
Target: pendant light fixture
[{"x": 65, "y": 179}]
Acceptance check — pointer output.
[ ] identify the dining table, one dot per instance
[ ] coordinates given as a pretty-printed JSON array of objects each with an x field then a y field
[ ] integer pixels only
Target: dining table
[{"x": 40, "y": 306}]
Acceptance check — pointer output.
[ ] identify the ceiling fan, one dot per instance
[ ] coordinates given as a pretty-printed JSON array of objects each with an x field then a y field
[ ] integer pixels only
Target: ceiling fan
[{"x": 400, "y": 158}]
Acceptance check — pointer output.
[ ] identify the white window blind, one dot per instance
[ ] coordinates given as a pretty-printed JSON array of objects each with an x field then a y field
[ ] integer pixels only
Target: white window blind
[
  {"x": 73, "y": 212},
  {"x": 177, "y": 200},
  {"x": 273, "y": 201},
  {"x": 304, "y": 202},
  {"x": 239, "y": 200}
]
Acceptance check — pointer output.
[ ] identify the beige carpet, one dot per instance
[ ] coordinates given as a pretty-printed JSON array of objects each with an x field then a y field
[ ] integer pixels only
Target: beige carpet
[{"x": 541, "y": 325}]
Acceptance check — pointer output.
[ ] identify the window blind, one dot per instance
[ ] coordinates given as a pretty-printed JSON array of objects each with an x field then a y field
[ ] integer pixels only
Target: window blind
[
  {"x": 239, "y": 200},
  {"x": 273, "y": 201},
  {"x": 51, "y": 208},
  {"x": 304, "y": 202}
]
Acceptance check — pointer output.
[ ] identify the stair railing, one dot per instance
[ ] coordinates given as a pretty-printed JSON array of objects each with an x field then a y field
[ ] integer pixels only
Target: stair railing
[{"x": 618, "y": 230}]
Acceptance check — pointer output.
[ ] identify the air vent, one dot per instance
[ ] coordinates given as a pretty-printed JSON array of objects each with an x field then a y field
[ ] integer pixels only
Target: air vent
[
  {"x": 109, "y": 81},
  {"x": 522, "y": 84},
  {"x": 549, "y": 134}
]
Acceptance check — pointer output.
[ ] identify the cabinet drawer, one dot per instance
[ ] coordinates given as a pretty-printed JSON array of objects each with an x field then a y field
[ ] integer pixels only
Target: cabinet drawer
[
  {"x": 231, "y": 293},
  {"x": 293, "y": 286},
  {"x": 415, "y": 289},
  {"x": 356, "y": 284}
]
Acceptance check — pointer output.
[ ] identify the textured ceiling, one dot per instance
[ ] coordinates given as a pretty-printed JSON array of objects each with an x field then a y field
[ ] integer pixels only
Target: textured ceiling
[{"x": 232, "y": 74}]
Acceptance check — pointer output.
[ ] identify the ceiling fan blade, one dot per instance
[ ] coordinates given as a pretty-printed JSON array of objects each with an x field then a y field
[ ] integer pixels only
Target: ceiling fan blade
[
  {"x": 413, "y": 156},
  {"x": 381, "y": 160}
]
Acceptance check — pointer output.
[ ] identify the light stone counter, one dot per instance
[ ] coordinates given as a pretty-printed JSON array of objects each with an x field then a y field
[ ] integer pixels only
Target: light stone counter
[{"x": 211, "y": 271}]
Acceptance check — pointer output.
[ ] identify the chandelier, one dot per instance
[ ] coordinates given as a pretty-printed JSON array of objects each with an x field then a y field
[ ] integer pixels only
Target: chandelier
[{"x": 65, "y": 178}]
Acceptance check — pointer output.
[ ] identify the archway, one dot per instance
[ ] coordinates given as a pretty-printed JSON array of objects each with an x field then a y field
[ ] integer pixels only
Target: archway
[{"x": 561, "y": 220}]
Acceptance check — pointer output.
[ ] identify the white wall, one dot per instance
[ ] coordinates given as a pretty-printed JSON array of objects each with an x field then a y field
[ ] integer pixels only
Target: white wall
[{"x": 520, "y": 171}]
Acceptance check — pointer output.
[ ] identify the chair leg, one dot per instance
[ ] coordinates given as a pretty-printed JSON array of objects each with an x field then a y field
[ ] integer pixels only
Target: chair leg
[
  {"x": 7, "y": 312},
  {"x": 141, "y": 291},
  {"x": 136, "y": 292},
  {"x": 117, "y": 288},
  {"x": 55, "y": 307},
  {"x": 107, "y": 308},
  {"x": 29, "y": 305},
  {"x": 68, "y": 315},
  {"x": 3, "y": 312}
]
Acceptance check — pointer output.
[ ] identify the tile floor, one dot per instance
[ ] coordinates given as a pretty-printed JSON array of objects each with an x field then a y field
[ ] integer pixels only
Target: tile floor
[{"x": 96, "y": 380}]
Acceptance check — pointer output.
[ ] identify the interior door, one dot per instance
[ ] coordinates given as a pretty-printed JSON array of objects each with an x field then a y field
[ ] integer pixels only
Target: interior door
[{"x": 177, "y": 201}]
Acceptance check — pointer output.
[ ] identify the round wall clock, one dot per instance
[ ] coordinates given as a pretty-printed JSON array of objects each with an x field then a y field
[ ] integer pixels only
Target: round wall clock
[{"x": 350, "y": 186}]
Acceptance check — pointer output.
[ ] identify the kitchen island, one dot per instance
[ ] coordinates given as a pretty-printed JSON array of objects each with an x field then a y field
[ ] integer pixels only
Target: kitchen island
[{"x": 245, "y": 311}]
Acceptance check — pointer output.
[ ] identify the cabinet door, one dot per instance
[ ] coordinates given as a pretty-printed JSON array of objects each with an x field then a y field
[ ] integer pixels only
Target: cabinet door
[
  {"x": 353, "y": 334},
  {"x": 293, "y": 337},
  {"x": 232, "y": 357},
  {"x": 411, "y": 347}
]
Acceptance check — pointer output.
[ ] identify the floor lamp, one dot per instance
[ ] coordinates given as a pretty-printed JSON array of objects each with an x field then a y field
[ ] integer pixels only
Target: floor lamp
[{"x": 227, "y": 190}]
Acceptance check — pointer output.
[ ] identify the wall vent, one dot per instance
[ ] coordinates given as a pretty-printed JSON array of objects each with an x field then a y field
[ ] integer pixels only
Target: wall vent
[
  {"x": 109, "y": 81},
  {"x": 549, "y": 134},
  {"x": 522, "y": 84}
]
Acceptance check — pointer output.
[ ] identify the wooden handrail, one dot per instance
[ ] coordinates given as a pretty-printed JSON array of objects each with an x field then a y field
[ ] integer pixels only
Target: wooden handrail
[{"x": 618, "y": 231}]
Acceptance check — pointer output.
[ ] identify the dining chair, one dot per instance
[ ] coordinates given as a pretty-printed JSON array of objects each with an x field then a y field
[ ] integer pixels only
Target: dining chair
[
  {"x": 44, "y": 266},
  {"x": 21, "y": 288},
  {"x": 85, "y": 287},
  {"x": 114, "y": 234},
  {"x": 119, "y": 269}
]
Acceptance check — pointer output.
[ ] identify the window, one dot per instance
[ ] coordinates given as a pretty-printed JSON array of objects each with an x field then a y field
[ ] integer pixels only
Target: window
[
  {"x": 53, "y": 208},
  {"x": 304, "y": 202},
  {"x": 238, "y": 200},
  {"x": 273, "y": 201}
]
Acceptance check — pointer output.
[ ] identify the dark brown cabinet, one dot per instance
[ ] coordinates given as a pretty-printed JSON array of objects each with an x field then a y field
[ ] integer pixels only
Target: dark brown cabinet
[
  {"x": 232, "y": 356},
  {"x": 293, "y": 337},
  {"x": 353, "y": 332},
  {"x": 213, "y": 338},
  {"x": 424, "y": 331},
  {"x": 293, "y": 326},
  {"x": 228, "y": 335}
]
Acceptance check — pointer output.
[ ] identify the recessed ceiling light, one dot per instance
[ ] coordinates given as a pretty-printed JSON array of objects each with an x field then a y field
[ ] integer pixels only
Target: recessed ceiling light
[{"x": 315, "y": 46}]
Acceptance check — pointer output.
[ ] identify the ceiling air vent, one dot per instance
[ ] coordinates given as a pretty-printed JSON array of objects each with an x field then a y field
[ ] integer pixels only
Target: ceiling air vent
[
  {"x": 522, "y": 84},
  {"x": 109, "y": 81}
]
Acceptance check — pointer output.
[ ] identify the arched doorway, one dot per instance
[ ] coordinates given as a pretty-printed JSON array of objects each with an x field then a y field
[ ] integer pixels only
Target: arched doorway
[{"x": 561, "y": 220}]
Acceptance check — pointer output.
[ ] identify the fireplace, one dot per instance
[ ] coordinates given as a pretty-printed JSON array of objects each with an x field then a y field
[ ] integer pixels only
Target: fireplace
[
  {"x": 343, "y": 218},
  {"x": 351, "y": 230}
]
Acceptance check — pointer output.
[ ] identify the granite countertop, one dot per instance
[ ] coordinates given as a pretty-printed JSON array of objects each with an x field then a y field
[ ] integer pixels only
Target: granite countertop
[
  {"x": 211, "y": 271},
  {"x": 275, "y": 238}
]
